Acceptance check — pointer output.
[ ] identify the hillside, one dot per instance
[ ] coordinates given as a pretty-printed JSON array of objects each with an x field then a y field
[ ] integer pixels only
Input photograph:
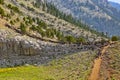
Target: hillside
[
  {"x": 77, "y": 66},
  {"x": 33, "y": 18},
  {"x": 99, "y": 14},
  {"x": 110, "y": 68},
  {"x": 30, "y": 35},
  {"x": 40, "y": 42}
]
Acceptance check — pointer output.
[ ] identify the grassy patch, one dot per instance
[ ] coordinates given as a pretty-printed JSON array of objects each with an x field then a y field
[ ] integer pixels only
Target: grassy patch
[{"x": 72, "y": 67}]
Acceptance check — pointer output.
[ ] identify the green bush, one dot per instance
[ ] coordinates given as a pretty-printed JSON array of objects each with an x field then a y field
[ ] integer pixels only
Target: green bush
[
  {"x": 33, "y": 28},
  {"x": 13, "y": 8},
  {"x": 2, "y": 13},
  {"x": 1, "y": 1},
  {"x": 8, "y": 16},
  {"x": 114, "y": 38},
  {"x": 43, "y": 34},
  {"x": 81, "y": 40},
  {"x": 22, "y": 28},
  {"x": 70, "y": 39},
  {"x": 30, "y": 9},
  {"x": 11, "y": 22},
  {"x": 29, "y": 19},
  {"x": 59, "y": 35},
  {"x": 9, "y": 6},
  {"x": 42, "y": 24},
  {"x": 17, "y": 19}
]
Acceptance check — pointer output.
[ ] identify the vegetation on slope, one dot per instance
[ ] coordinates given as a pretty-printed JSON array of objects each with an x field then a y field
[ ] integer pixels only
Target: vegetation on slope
[
  {"x": 110, "y": 66},
  {"x": 35, "y": 25},
  {"x": 51, "y": 9},
  {"x": 28, "y": 24},
  {"x": 71, "y": 67}
]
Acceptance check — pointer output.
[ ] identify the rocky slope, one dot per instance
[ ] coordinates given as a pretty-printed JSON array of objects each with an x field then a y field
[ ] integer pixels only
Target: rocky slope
[
  {"x": 97, "y": 13},
  {"x": 51, "y": 21},
  {"x": 18, "y": 50},
  {"x": 18, "y": 19}
]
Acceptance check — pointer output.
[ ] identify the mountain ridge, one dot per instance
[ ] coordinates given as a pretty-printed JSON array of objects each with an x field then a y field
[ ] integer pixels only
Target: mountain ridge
[
  {"x": 115, "y": 4},
  {"x": 100, "y": 15}
]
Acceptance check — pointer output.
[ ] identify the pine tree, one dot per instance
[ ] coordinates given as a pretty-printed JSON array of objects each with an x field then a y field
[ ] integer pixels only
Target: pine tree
[
  {"x": 22, "y": 28},
  {"x": 2, "y": 13}
]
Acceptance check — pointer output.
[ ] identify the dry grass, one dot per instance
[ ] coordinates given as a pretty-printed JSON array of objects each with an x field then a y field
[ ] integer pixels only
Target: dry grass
[
  {"x": 71, "y": 67},
  {"x": 111, "y": 65}
]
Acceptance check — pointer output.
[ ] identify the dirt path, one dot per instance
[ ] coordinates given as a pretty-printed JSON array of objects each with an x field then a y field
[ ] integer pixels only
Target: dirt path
[{"x": 97, "y": 64}]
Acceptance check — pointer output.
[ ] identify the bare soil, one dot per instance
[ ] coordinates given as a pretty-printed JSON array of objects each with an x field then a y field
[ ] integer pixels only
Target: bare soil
[{"x": 97, "y": 65}]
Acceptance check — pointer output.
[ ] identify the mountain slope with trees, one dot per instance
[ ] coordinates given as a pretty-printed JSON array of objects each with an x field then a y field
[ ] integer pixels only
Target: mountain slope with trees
[
  {"x": 31, "y": 28},
  {"x": 41, "y": 42},
  {"x": 38, "y": 18},
  {"x": 99, "y": 14}
]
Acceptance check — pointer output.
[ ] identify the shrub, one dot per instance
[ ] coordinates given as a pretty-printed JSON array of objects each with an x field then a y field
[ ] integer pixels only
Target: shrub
[
  {"x": 59, "y": 35},
  {"x": 8, "y": 16},
  {"x": 13, "y": 8},
  {"x": 11, "y": 22},
  {"x": 43, "y": 34},
  {"x": 9, "y": 6},
  {"x": 33, "y": 28},
  {"x": 2, "y": 12},
  {"x": 81, "y": 40},
  {"x": 22, "y": 28},
  {"x": 17, "y": 19},
  {"x": 29, "y": 19},
  {"x": 42, "y": 24},
  {"x": 30, "y": 9},
  {"x": 70, "y": 39},
  {"x": 1, "y": 1},
  {"x": 114, "y": 38}
]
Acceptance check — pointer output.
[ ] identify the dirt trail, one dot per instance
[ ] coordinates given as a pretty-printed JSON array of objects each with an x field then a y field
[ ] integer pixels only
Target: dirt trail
[{"x": 97, "y": 64}]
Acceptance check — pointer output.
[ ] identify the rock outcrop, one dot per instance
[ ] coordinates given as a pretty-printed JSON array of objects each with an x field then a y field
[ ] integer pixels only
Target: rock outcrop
[{"x": 16, "y": 49}]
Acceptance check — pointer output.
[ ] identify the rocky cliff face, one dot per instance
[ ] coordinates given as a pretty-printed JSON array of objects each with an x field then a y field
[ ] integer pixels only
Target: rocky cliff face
[
  {"x": 18, "y": 50},
  {"x": 99, "y": 14}
]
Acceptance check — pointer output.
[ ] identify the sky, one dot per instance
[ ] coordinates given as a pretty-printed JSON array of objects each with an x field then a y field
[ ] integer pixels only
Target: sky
[{"x": 118, "y": 1}]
